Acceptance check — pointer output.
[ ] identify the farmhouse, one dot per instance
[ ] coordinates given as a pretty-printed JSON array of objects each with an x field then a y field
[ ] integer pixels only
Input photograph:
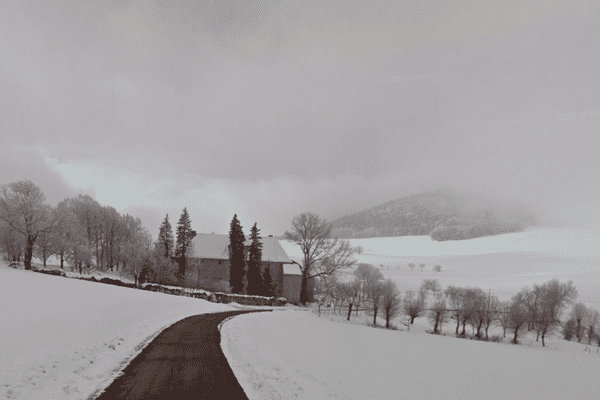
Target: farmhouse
[{"x": 211, "y": 252}]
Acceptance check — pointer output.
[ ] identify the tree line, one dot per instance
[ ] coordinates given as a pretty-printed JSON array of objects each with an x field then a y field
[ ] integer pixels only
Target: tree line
[
  {"x": 541, "y": 308},
  {"x": 81, "y": 232}
]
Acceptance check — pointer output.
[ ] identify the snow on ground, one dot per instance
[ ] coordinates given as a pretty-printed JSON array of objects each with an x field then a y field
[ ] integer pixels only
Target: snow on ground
[
  {"x": 65, "y": 338},
  {"x": 295, "y": 354},
  {"x": 503, "y": 263}
]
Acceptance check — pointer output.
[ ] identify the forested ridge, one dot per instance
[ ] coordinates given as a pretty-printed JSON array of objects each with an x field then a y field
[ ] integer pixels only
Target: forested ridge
[{"x": 442, "y": 214}]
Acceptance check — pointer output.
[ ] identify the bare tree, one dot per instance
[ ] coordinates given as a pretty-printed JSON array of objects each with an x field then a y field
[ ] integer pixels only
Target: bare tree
[
  {"x": 391, "y": 302},
  {"x": 437, "y": 268},
  {"x": 503, "y": 316},
  {"x": 492, "y": 312},
  {"x": 591, "y": 322},
  {"x": 353, "y": 293},
  {"x": 23, "y": 209},
  {"x": 438, "y": 314},
  {"x": 411, "y": 266},
  {"x": 553, "y": 298},
  {"x": 578, "y": 313},
  {"x": 455, "y": 298},
  {"x": 422, "y": 267},
  {"x": 323, "y": 254},
  {"x": 478, "y": 302},
  {"x": 12, "y": 243},
  {"x": 469, "y": 307},
  {"x": 518, "y": 314},
  {"x": 370, "y": 278},
  {"x": 339, "y": 294},
  {"x": 412, "y": 305}
]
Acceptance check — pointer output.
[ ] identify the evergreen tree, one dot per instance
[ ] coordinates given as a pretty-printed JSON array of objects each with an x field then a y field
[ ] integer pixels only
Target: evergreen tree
[
  {"x": 269, "y": 288},
  {"x": 237, "y": 264},
  {"x": 166, "y": 241},
  {"x": 255, "y": 279},
  {"x": 185, "y": 234}
]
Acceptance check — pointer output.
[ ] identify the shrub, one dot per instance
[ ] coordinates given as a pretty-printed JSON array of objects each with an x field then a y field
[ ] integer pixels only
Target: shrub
[{"x": 496, "y": 338}]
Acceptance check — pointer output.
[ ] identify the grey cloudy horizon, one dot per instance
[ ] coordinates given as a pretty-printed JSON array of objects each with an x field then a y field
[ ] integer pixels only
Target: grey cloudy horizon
[{"x": 269, "y": 109}]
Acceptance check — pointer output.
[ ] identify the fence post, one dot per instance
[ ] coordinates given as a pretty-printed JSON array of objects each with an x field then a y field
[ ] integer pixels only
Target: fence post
[{"x": 319, "y": 306}]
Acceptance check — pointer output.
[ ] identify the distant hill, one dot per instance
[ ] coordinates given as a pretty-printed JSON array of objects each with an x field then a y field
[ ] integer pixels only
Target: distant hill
[{"x": 442, "y": 214}]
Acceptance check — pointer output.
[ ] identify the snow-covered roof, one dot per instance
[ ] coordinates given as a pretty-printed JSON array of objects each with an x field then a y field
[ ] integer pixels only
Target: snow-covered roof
[
  {"x": 215, "y": 246},
  {"x": 291, "y": 269}
]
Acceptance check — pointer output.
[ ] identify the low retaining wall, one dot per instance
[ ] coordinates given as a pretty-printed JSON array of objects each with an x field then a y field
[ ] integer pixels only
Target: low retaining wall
[{"x": 218, "y": 297}]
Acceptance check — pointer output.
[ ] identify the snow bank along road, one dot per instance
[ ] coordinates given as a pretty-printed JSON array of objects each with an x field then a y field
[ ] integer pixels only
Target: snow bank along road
[
  {"x": 296, "y": 355},
  {"x": 64, "y": 339},
  {"x": 185, "y": 361}
]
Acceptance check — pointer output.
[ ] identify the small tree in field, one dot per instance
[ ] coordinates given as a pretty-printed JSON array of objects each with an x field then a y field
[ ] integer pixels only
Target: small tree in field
[
  {"x": 353, "y": 294},
  {"x": 369, "y": 279},
  {"x": 391, "y": 301},
  {"x": 437, "y": 268},
  {"x": 492, "y": 313},
  {"x": 504, "y": 316},
  {"x": 518, "y": 314},
  {"x": 591, "y": 322},
  {"x": 422, "y": 267},
  {"x": 375, "y": 297},
  {"x": 455, "y": 300},
  {"x": 411, "y": 266},
  {"x": 553, "y": 298},
  {"x": 569, "y": 328},
  {"x": 438, "y": 314},
  {"x": 412, "y": 306},
  {"x": 578, "y": 314}
]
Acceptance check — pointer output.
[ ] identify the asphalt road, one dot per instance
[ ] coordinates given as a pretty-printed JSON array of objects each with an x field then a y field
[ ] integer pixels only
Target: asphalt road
[{"x": 185, "y": 361}]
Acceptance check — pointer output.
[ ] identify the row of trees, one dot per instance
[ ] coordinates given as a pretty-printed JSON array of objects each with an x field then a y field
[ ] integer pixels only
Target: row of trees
[
  {"x": 83, "y": 233},
  {"x": 367, "y": 289},
  {"x": 539, "y": 309},
  {"x": 77, "y": 230}
]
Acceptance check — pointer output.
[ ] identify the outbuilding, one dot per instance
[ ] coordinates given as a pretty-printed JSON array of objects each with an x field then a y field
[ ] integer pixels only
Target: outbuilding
[{"x": 211, "y": 252}]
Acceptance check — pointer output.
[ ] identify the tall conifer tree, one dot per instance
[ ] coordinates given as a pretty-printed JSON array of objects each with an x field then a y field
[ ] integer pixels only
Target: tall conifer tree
[
  {"x": 255, "y": 278},
  {"x": 166, "y": 241},
  {"x": 185, "y": 234},
  {"x": 237, "y": 263},
  {"x": 269, "y": 288}
]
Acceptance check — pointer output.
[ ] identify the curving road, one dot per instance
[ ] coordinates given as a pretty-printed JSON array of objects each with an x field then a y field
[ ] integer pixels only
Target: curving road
[{"x": 185, "y": 361}]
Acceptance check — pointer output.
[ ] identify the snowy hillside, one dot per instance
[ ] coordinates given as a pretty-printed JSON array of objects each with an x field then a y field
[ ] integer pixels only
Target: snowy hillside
[
  {"x": 294, "y": 354},
  {"x": 65, "y": 338}
]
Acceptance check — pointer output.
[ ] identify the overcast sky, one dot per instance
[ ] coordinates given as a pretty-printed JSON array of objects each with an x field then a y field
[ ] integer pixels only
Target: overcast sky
[{"x": 268, "y": 109}]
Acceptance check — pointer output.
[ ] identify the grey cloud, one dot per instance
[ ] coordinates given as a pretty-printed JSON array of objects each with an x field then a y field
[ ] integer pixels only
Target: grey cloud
[{"x": 254, "y": 91}]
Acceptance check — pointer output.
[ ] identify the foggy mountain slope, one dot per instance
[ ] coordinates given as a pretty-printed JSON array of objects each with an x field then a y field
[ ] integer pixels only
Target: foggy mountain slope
[{"x": 443, "y": 214}]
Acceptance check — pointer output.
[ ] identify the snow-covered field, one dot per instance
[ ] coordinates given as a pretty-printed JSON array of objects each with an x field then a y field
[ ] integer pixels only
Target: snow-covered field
[
  {"x": 296, "y": 355},
  {"x": 503, "y": 263},
  {"x": 65, "y": 338}
]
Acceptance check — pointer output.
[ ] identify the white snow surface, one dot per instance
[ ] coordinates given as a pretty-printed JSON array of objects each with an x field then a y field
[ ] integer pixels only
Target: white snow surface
[
  {"x": 296, "y": 355},
  {"x": 66, "y": 339}
]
